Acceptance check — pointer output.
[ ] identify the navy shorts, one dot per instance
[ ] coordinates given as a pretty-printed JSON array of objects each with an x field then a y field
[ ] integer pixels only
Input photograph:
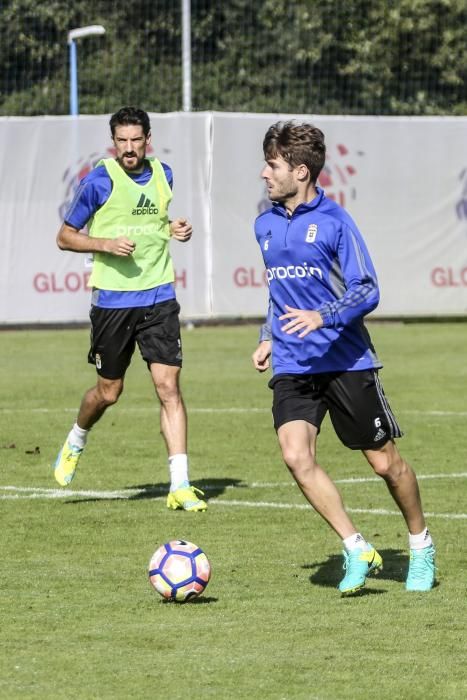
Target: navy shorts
[
  {"x": 115, "y": 333},
  {"x": 357, "y": 405}
]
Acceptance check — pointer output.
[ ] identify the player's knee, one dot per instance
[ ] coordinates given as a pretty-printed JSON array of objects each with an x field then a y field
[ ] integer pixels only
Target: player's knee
[
  {"x": 167, "y": 390},
  {"x": 297, "y": 460},
  {"x": 166, "y": 383},
  {"x": 389, "y": 465},
  {"x": 110, "y": 392}
]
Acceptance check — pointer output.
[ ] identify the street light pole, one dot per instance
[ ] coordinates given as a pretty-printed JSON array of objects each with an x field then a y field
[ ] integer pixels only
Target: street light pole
[
  {"x": 186, "y": 54},
  {"x": 74, "y": 34}
]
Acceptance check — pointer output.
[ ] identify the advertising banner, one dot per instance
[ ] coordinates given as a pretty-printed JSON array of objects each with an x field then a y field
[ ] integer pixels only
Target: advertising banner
[{"x": 403, "y": 180}]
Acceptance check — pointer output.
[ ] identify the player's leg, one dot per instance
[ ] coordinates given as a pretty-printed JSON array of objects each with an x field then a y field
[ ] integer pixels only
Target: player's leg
[
  {"x": 297, "y": 440},
  {"x": 111, "y": 349},
  {"x": 97, "y": 399},
  {"x": 403, "y": 487},
  {"x": 173, "y": 418},
  {"x": 363, "y": 419},
  {"x": 93, "y": 405},
  {"x": 401, "y": 482},
  {"x": 298, "y": 410},
  {"x": 158, "y": 337}
]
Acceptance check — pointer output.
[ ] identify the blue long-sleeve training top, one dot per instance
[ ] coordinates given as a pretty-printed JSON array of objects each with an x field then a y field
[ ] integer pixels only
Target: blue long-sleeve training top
[{"x": 317, "y": 259}]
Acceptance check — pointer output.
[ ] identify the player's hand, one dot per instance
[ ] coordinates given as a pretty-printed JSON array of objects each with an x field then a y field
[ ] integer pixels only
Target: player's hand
[
  {"x": 301, "y": 321},
  {"x": 261, "y": 356},
  {"x": 181, "y": 230},
  {"x": 120, "y": 246}
]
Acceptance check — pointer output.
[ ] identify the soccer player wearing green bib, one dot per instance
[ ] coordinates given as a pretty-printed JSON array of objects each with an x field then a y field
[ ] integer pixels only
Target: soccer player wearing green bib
[{"x": 124, "y": 202}]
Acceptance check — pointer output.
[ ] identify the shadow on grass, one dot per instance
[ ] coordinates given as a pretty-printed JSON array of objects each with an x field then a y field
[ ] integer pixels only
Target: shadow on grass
[
  {"x": 212, "y": 489},
  {"x": 199, "y": 600},
  {"x": 329, "y": 572}
]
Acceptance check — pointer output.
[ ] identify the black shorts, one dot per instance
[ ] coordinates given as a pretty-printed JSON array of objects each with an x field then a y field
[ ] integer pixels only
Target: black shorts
[
  {"x": 114, "y": 333},
  {"x": 358, "y": 408}
]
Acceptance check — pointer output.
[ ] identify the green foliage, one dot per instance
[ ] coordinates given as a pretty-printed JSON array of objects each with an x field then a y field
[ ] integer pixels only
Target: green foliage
[
  {"x": 79, "y": 619},
  {"x": 397, "y": 57}
]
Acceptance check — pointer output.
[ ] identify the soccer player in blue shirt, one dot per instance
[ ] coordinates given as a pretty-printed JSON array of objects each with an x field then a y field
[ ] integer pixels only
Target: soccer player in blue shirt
[
  {"x": 321, "y": 285},
  {"x": 125, "y": 203}
]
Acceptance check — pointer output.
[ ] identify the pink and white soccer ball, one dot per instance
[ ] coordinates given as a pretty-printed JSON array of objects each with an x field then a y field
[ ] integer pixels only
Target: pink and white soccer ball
[{"x": 179, "y": 570}]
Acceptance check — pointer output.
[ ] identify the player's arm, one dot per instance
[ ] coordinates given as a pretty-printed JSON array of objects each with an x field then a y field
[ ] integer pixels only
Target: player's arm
[
  {"x": 361, "y": 293},
  {"x": 91, "y": 194},
  {"x": 301, "y": 321},
  {"x": 70, "y": 238},
  {"x": 261, "y": 356},
  {"x": 262, "y": 353},
  {"x": 181, "y": 230}
]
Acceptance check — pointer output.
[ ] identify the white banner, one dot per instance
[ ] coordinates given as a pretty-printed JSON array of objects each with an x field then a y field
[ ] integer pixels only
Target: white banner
[{"x": 403, "y": 180}]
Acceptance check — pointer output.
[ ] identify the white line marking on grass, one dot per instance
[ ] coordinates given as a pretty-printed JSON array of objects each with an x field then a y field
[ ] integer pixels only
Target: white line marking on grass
[
  {"x": 349, "y": 480},
  {"x": 136, "y": 409},
  {"x": 231, "y": 409},
  {"x": 25, "y": 492},
  {"x": 428, "y": 514},
  {"x": 37, "y": 492},
  {"x": 305, "y": 506},
  {"x": 434, "y": 413},
  {"x": 127, "y": 493}
]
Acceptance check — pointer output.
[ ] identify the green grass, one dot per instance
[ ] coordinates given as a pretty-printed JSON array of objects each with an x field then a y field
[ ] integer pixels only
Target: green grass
[{"x": 79, "y": 619}]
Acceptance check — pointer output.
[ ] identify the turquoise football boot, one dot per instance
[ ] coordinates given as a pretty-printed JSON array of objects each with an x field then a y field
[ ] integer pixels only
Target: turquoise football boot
[
  {"x": 358, "y": 564},
  {"x": 421, "y": 575}
]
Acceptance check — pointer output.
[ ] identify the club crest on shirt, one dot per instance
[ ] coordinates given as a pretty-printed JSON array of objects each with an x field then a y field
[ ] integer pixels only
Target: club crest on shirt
[{"x": 311, "y": 233}]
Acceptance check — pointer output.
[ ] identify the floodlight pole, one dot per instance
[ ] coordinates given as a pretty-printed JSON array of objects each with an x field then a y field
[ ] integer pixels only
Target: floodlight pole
[
  {"x": 186, "y": 54},
  {"x": 74, "y": 34}
]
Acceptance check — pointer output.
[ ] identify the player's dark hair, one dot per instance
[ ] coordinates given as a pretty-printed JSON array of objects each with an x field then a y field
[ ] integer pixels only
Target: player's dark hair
[
  {"x": 297, "y": 144},
  {"x": 130, "y": 115}
]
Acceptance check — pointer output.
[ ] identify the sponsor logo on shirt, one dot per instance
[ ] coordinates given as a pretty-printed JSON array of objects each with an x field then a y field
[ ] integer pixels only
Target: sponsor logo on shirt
[
  {"x": 293, "y": 272},
  {"x": 147, "y": 230},
  {"x": 144, "y": 206}
]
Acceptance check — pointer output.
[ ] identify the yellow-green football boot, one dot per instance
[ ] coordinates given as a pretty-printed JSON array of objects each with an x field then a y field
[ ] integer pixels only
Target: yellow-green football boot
[
  {"x": 66, "y": 463},
  {"x": 185, "y": 498}
]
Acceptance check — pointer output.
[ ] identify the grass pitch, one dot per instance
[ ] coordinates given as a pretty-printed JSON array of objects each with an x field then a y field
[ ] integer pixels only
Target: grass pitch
[{"x": 79, "y": 619}]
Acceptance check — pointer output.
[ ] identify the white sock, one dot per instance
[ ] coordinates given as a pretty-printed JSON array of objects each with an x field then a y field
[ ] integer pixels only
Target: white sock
[
  {"x": 356, "y": 541},
  {"x": 178, "y": 468},
  {"x": 78, "y": 436},
  {"x": 420, "y": 541}
]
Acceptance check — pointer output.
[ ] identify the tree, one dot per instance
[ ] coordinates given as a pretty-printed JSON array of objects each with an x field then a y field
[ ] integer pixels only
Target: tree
[{"x": 296, "y": 56}]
